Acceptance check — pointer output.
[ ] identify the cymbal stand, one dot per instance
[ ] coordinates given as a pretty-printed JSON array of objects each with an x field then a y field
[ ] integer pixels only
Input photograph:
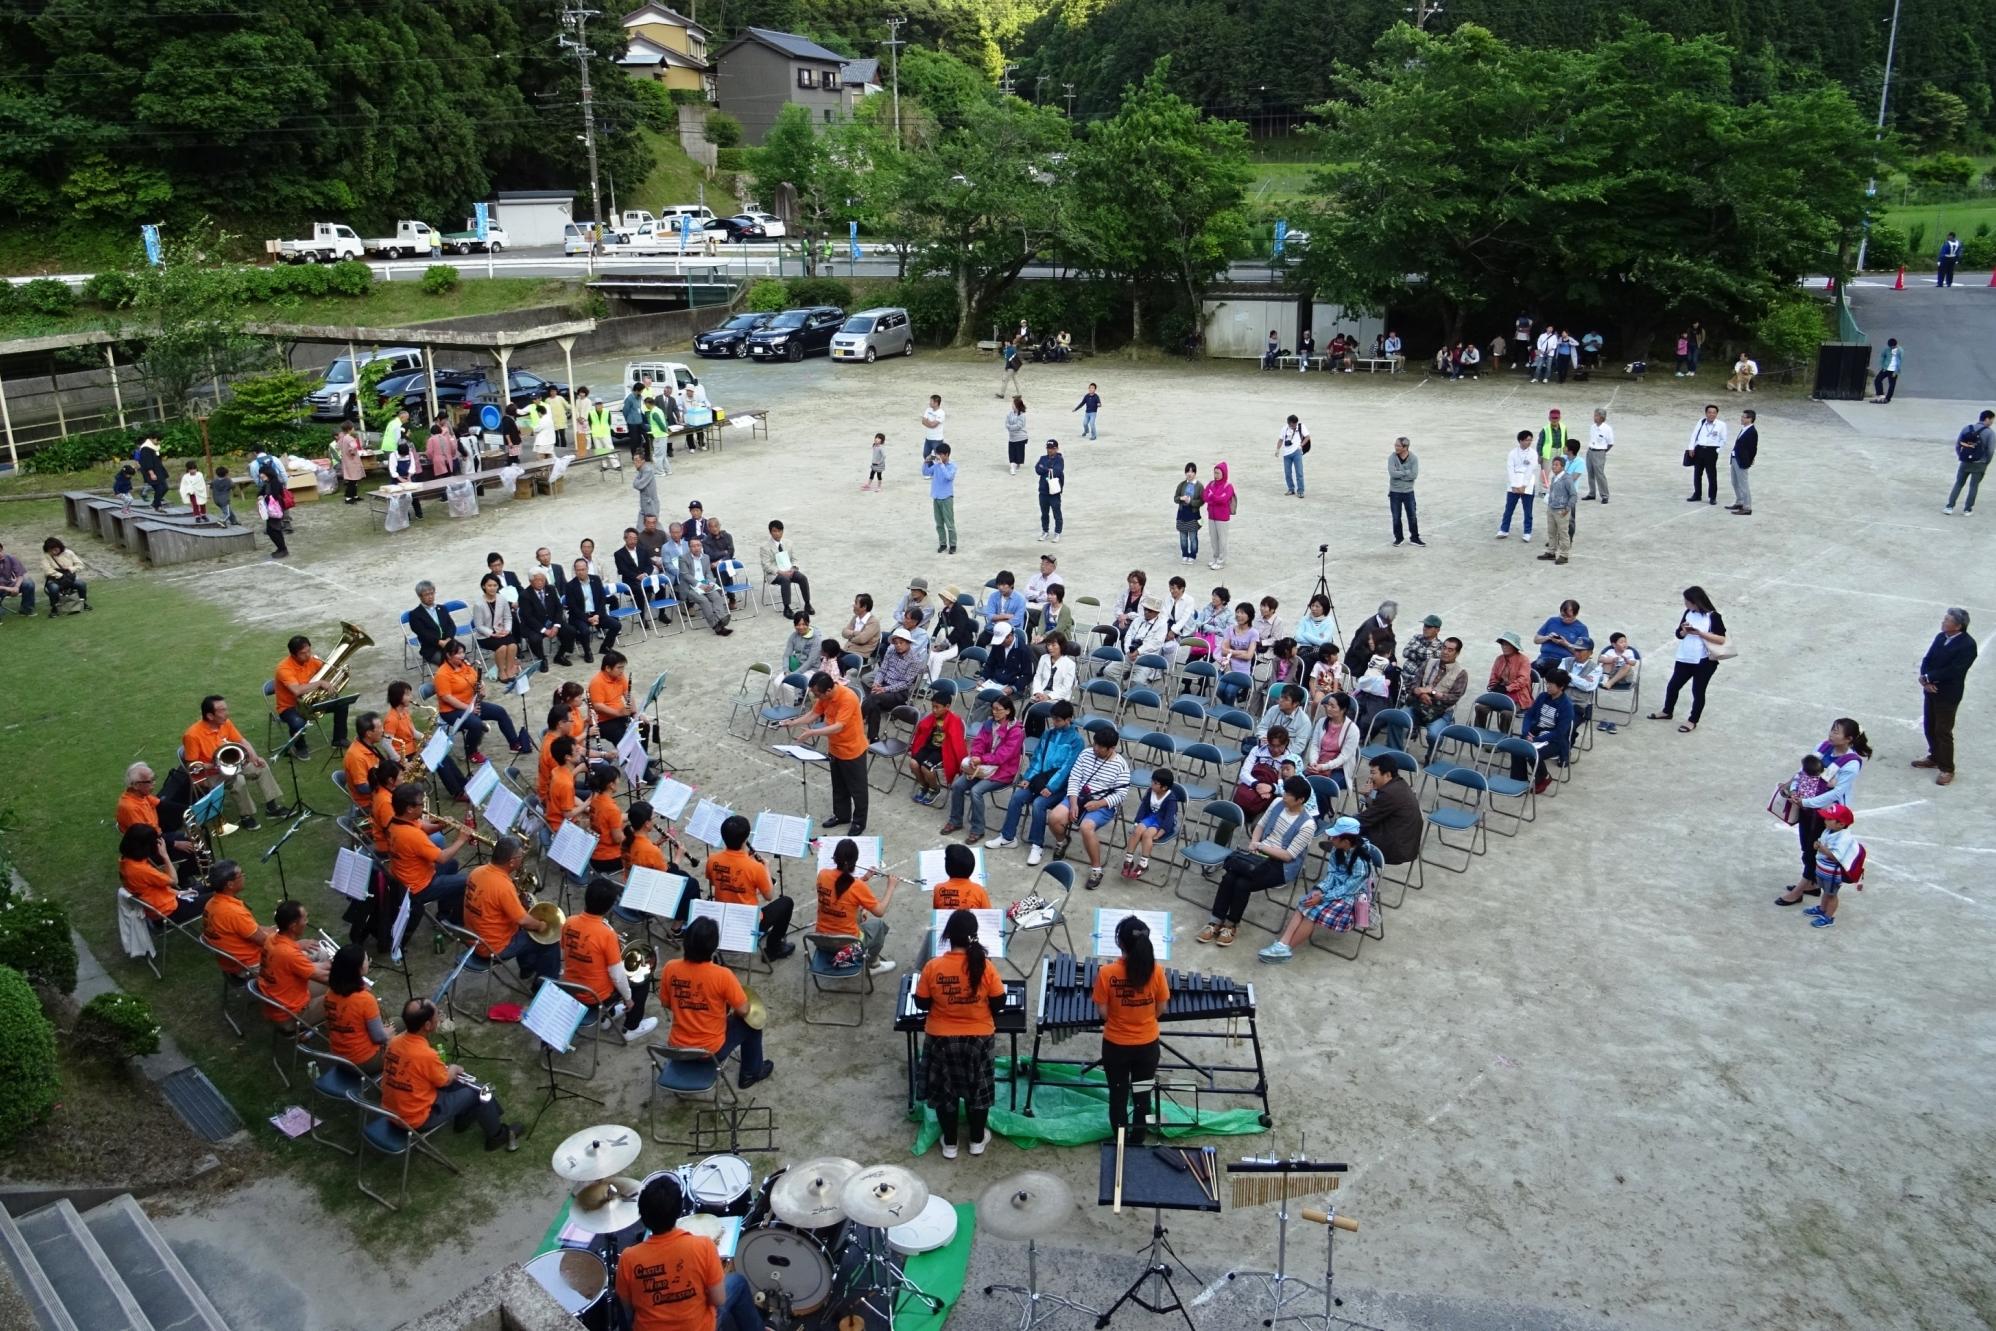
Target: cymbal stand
[
  {"x": 877, "y": 1275},
  {"x": 1157, "y": 1271},
  {"x": 1030, "y": 1297}
]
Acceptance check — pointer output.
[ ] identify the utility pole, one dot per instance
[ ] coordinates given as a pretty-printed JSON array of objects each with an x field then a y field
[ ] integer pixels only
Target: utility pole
[
  {"x": 1884, "y": 93},
  {"x": 894, "y": 45},
  {"x": 1038, "y": 84},
  {"x": 574, "y": 17},
  {"x": 1423, "y": 10},
  {"x": 1070, "y": 99},
  {"x": 1005, "y": 80}
]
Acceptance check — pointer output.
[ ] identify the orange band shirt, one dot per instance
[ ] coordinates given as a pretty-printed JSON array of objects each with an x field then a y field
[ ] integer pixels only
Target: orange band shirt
[
  {"x": 492, "y": 908},
  {"x": 701, "y": 994},
  {"x": 287, "y": 975},
  {"x": 401, "y": 732},
  {"x": 232, "y": 929},
  {"x": 957, "y": 1008},
  {"x": 739, "y": 877},
  {"x": 347, "y": 1016},
  {"x": 134, "y": 809},
  {"x": 412, "y": 1072},
  {"x": 589, "y": 948},
  {"x": 201, "y": 739},
  {"x": 645, "y": 854},
  {"x": 459, "y": 681},
  {"x": 412, "y": 858},
  {"x": 560, "y": 803},
  {"x": 961, "y": 894},
  {"x": 838, "y": 912},
  {"x": 1129, "y": 1012},
  {"x": 665, "y": 1281},
  {"x": 608, "y": 821},
  {"x": 291, "y": 681},
  {"x": 840, "y": 707},
  {"x": 359, "y": 762},
  {"x": 609, "y": 693},
  {"x": 150, "y": 884}
]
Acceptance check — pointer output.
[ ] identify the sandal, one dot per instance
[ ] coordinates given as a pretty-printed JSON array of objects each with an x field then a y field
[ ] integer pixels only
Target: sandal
[{"x": 1687, "y": 727}]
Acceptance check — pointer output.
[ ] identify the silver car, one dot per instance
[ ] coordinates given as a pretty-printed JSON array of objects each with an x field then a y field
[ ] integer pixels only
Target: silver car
[{"x": 871, "y": 334}]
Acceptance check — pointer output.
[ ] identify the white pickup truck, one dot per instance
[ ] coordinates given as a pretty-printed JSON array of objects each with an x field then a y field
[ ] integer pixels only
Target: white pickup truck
[
  {"x": 329, "y": 243},
  {"x": 410, "y": 238}
]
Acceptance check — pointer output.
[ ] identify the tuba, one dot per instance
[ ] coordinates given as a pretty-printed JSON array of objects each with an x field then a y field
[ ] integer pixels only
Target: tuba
[{"x": 331, "y": 681}]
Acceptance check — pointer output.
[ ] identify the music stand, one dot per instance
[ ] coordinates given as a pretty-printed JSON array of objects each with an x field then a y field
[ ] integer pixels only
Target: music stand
[
  {"x": 553, "y": 1018},
  {"x": 446, "y": 995},
  {"x": 289, "y": 751},
  {"x": 276, "y": 851},
  {"x": 208, "y": 808},
  {"x": 519, "y": 685},
  {"x": 804, "y": 758},
  {"x": 657, "y": 722},
  {"x": 1149, "y": 1182}
]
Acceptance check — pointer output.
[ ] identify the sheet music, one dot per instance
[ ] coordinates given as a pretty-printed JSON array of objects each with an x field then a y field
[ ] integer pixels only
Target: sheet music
[
  {"x": 668, "y": 798},
  {"x": 571, "y": 848},
  {"x": 705, "y": 824},
  {"x": 869, "y": 851},
  {"x": 740, "y": 924},
  {"x": 484, "y": 780},
  {"x": 785, "y": 834},
  {"x": 438, "y": 747},
  {"x": 654, "y": 892},
  {"x": 209, "y": 805},
  {"x": 1107, "y": 918},
  {"x": 799, "y": 752},
  {"x": 503, "y": 809},
  {"x": 932, "y": 872},
  {"x": 554, "y": 1017},
  {"x": 633, "y": 741},
  {"x": 351, "y": 873},
  {"x": 990, "y": 931},
  {"x": 402, "y": 921},
  {"x": 635, "y": 764},
  {"x": 523, "y": 682}
]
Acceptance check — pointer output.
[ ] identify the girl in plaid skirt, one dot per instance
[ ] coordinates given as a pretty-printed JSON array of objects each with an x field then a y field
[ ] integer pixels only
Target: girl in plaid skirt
[{"x": 962, "y": 993}]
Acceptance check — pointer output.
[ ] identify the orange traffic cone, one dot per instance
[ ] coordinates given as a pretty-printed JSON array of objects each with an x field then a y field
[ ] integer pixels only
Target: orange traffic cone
[
  {"x": 1992, "y": 279},
  {"x": 1899, "y": 282},
  {"x": 1830, "y": 283}
]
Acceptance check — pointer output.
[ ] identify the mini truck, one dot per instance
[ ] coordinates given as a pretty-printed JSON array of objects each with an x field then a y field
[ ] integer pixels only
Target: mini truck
[
  {"x": 467, "y": 241},
  {"x": 329, "y": 243},
  {"x": 410, "y": 238}
]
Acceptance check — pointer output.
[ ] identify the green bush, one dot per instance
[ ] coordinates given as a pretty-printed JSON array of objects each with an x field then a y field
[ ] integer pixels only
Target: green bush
[
  {"x": 35, "y": 940},
  {"x": 271, "y": 400},
  {"x": 440, "y": 279},
  {"x": 112, "y": 288},
  {"x": 29, "y": 1082},
  {"x": 1789, "y": 334},
  {"x": 1979, "y": 252},
  {"x": 117, "y": 1026},
  {"x": 1945, "y": 170},
  {"x": 47, "y": 296},
  {"x": 79, "y": 452},
  {"x": 1887, "y": 247},
  {"x": 731, "y": 159},
  {"x": 931, "y": 305},
  {"x": 766, "y": 295},
  {"x": 723, "y": 130},
  {"x": 820, "y": 291},
  {"x": 10, "y": 299},
  {"x": 1916, "y": 238},
  {"x": 350, "y": 277}
]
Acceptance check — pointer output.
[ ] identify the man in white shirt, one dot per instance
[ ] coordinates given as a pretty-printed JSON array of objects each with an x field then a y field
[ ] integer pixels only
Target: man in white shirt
[
  {"x": 1290, "y": 449},
  {"x": 1542, "y": 352},
  {"x": 932, "y": 425},
  {"x": 1708, "y": 436},
  {"x": 1036, "y": 590},
  {"x": 1600, "y": 439},
  {"x": 1521, "y": 477}
]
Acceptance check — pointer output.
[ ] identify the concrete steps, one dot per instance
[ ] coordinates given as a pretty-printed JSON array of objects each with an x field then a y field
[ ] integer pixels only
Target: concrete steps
[{"x": 107, "y": 1270}]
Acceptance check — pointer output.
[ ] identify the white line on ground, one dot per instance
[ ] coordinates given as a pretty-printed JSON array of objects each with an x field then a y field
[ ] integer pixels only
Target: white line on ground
[
  {"x": 1936, "y": 887},
  {"x": 1821, "y": 590},
  {"x": 1932, "y": 845},
  {"x": 1894, "y": 808}
]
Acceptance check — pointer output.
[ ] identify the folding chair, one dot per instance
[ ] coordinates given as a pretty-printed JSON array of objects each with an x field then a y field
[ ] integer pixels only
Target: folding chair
[
  {"x": 159, "y": 926},
  {"x": 461, "y": 614},
  {"x": 684, "y": 1073},
  {"x": 1225, "y": 819},
  {"x": 1203, "y": 761},
  {"x": 1095, "y": 725},
  {"x": 628, "y": 610},
  {"x": 1190, "y": 714},
  {"x": 893, "y": 748},
  {"x": 1411, "y": 874},
  {"x": 1504, "y": 715},
  {"x": 1199, "y": 678},
  {"x": 1375, "y": 924},
  {"x": 970, "y": 662},
  {"x": 1325, "y": 793},
  {"x": 1237, "y": 683},
  {"x": 1144, "y": 705},
  {"x": 1097, "y": 664},
  {"x": 386, "y": 1132},
  {"x": 1155, "y": 749},
  {"x": 753, "y": 692},
  {"x": 1462, "y": 798},
  {"x": 476, "y": 967},
  {"x": 1103, "y": 698},
  {"x": 1502, "y": 785},
  {"x": 291, "y": 1030},
  {"x": 1155, "y": 662},
  {"x": 232, "y": 979},
  {"x": 1233, "y": 728},
  {"x": 734, "y": 582},
  {"x": 334, "y": 1079},
  {"x": 1397, "y": 722},
  {"x": 1055, "y": 917},
  {"x": 824, "y": 975},
  {"x": 662, "y": 599},
  {"x": 770, "y": 715},
  {"x": 1629, "y": 691},
  {"x": 1467, "y": 742}
]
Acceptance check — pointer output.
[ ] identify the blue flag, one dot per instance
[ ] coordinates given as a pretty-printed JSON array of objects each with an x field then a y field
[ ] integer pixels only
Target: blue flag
[
  {"x": 149, "y": 232},
  {"x": 1281, "y": 236}
]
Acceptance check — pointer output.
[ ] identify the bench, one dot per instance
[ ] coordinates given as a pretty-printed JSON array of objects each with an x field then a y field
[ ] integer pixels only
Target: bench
[
  {"x": 163, "y": 543},
  {"x": 116, "y": 524},
  {"x": 1372, "y": 364}
]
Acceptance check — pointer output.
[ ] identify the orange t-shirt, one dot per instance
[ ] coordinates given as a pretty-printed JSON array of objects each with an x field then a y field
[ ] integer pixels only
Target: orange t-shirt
[
  {"x": 381, "y": 816},
  {"x": 700, "y": 994},
  {"x": 607, "y": 820},
  {"x": 401, "y": 732},
  {"x": 135, "y": 809},
  {"x": 492, "y": 908},
  {"x": 412, "y": 1072},
  {"x": 840, "y": 707},
  {"x": 578, "y": 724},
  {"x": 150, "y": 884},
  {"x": 286, "y": 976},
  {"x": 956, "y": 1008},
  {"x": 646, "y": 854},
  {"x": 609, "y": 694},
  {"x": 232, "y": 929},
  {"x": 961, "y": 894},
  {"x": 560, "y": 803},
  {"x": 459, "y": 681},
  {"x": 589, "y": 948},
  {"x": 291, "y": 679},
  {"x": 546, "y": 765},
  {"x": 359, "y": 762},
  {"x": 738, "y": 877},
  {"x": 1129, "y": 1014},
  {"x": 665, "y": 1281},
  {"x": 200, "y": 740},
  {"x": 838, "y": 912},
  {"x": 412, "y": 857},
  {"x": 347, "y": 1016}
]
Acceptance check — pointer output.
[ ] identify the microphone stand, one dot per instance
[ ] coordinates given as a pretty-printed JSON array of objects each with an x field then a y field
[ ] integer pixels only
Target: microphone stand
[
  {"x": 276, "y": 852},
  {"x": 289, "y": 752}
]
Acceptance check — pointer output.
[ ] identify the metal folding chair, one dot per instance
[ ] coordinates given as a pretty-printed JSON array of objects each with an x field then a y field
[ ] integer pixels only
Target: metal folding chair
[
  {"x": 823, "y": 975},
  {"x": 1462, "y": 799},
  {"x": 893, "y": 748},
  {"x": 292, "y": 1029},
  {"x": 386, "y": 1132},
  {"x": 1502, "y": 785},
  {"x": 1062, "y": 873},
  {"x": 1225, "y": 819},
  {"x": 684, "y": 1073}
]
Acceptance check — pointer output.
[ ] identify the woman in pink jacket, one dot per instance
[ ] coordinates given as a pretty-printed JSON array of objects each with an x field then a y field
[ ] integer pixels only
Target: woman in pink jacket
[
  {"x": 1221, "y": 504},
  {"x": 993, "y": 764}
]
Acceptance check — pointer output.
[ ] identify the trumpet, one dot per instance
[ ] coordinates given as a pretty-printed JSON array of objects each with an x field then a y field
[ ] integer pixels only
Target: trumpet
[
  {"x": 325, "y": 947},
  {"x": 466, "y": 1079}
]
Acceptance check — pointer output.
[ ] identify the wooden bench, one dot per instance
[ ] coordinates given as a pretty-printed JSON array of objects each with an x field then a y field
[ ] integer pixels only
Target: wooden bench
[
  {"x": 163, "y": 543},
  {"x": 1373, "y": 364},
  {"x": 116, "y": 524}
]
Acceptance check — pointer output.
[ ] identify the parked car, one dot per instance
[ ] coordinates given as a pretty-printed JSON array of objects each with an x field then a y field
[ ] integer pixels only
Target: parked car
[
  {"x": 772, "y": 225},
  {"x": 700, "y": 214},
  {"x": 731, "y": 338},
  {"x": 580, "y": 238},
  {"x": 333, "y": 399},
  {"x": 676, "y": 373},
  {"x": 457, "y": 388},
  {"x": 871, "y": 334},
  {"x": 795, "y": 334},
  {"x": 329, "y": 242},
  {"x": 737, "y": 229}
]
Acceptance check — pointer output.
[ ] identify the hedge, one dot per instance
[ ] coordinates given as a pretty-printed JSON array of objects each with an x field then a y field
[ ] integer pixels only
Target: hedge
[
  {"x": 766, "y": 295},
  {"x": 1886, "y": 248},
  {"x": 46, "y": 296},
  {"x": 1979, "y": 251},
  {"x": 820, "y": 291},
  {"x": 35, "y": 940},
  {"x": 29, "y": 1083},
  {"x": 118, "y": 1026},
  {"x": 440, "y": 279}
]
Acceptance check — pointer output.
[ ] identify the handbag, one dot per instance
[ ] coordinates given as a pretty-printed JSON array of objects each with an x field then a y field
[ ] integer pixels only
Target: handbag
[
  {"x": 1783, "y": 805},
  {"x": 1722, "y": 651},
  {"x": 1244, "y": 862},
  {"x": 1687, "y": 457}
]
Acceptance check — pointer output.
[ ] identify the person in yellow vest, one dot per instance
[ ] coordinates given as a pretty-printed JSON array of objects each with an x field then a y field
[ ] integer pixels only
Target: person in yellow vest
[
  {"x": 558, "y": 414},
  {"x": 660, "y": 424}
]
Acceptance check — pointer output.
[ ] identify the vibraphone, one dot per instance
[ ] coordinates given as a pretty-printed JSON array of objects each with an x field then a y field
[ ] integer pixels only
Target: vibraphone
[
  {"x": 1067, "y": 1008},
  {"x": 909, "y": 1020}
]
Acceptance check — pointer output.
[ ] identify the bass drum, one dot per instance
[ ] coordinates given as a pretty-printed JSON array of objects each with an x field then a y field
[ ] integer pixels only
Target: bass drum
[
  {"x": 578, "y": 1281},
  {"x": 777, "y": 1259}
]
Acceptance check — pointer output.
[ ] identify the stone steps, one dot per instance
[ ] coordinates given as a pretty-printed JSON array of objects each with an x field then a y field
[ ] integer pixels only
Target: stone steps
[{"x": 108, "y": 1270}]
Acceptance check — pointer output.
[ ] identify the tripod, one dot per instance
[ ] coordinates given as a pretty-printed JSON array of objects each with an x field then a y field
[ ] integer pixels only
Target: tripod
[
  {"x": 299, "y": 804},
  {"x": 1030, "y": 1298},
  {"x": 1323, "y": 587},
  {"x": 1157, "y": 1270}
]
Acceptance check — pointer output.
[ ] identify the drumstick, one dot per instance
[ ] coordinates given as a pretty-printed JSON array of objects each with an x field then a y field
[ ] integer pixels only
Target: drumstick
[{"x": 1117, "y": 1207}]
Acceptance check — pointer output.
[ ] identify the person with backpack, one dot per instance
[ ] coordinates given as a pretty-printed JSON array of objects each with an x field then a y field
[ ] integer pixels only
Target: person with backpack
[
  {"x": 1971, "y": 455},
  {"x": 152, "y": 467},
  {"x": 1291, "y": 447}
]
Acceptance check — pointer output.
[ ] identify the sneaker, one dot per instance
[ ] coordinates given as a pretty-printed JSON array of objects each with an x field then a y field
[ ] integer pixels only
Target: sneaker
[
  {"x": 1548, "y": 555},
  {"x": 1813, "y": 910},
  {"x": 1276, "y": 952},
  {"x": 1055, "y": 538},
  {"x": 1502, "y": 535},
  {"x": 641, "y": 1030},
  {"x": 762, "y": 1073},
  {"x": 1042, "y": 536},
  {"x": 941, "y": 548},
  {"x": 1001, "y": 843},
  {"x": 509, "y": 1137},
  {"x": 1822, "y": 921},
  {"x": 977, "y": 1147},
  {"x": 949, "y": 1152},
  {"x": 952, "y": 549},
  {"x": 1418, "y": 541},
  {"x": 1948, "y": 509},
  {"x": 1094, "y": 879},
  {"x": 248, "y": 823},
  {"x": 1560, "y": 560},
  {"x": 1033, "y": 856},
  {"x": 882, "y": 966},
  {"x": 1208, "y": 934},
  {"x": 1225, "y": 938},
  {"x": 1606, "y": 727},
  {"x": 1399, "y": 541}
]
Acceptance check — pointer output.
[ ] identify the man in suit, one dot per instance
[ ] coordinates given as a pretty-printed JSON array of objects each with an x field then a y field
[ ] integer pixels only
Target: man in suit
[
  {"x": 1745, "y": 445},
  {"x": 588, "y": 611},
  {"x": 633, "y": 563},
  {"x": 495, "y": 564},
  {"x": 544, "y": 564},
  {"x": 543, "y": 620},
  {"x": 430, "y": 624},
  {"x": 698, "y": 585},
  {"x": 696, "y": 521},
  {"x": 1943, "y": 674}
]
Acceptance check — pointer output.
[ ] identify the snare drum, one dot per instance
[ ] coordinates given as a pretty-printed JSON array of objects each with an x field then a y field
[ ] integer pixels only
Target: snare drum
[
  {"x": 932, "y": 1229},
  {"x": 718, "y": 1185},
  {"x": 578, "y": 1281},
  {"x": 778, "y": 1259}
]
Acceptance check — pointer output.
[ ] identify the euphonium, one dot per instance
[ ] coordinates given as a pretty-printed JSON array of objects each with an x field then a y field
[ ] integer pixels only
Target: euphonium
[
  {"x": 229, "y": 760},
  {"x": 197, "y": 836},
  {"x": 331, "y": 681}
]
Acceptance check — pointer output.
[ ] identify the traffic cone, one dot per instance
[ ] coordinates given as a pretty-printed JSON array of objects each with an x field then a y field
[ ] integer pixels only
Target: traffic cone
[
  {"x": 1992, "y": 279},
  {"x": 1830, "y": 283},
  {"x": 1899, "y": 282}
]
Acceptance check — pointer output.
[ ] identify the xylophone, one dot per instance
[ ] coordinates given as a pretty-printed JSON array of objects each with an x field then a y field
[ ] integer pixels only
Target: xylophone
[
  {"x": 1067, "y": 1007},
  {"x": 909, "y": 1020}
]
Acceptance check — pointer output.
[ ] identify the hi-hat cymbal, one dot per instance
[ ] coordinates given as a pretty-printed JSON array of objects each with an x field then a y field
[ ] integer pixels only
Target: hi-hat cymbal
[
  {"x": 807, "y": 1195},
  {"x": 597, "y": 1153},
  {"x": 1025, "y": 1206},
  {"x": 615, "y": 1205},
  {"x": 883, "y": 1196}
]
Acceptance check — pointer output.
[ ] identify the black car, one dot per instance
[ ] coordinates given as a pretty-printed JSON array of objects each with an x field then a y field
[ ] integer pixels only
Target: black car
[
  {"x": 461, "y": 387},
  {"x": 738, "y": 229},
  {"x": 731, "y": 338},
  {"x": 795, "y": 334}
]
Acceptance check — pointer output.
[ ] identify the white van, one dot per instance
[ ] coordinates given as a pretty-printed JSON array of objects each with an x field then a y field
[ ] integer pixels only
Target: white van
[
  {"x": 333, "y": 400},
  {"x": 671, "y": 214}
]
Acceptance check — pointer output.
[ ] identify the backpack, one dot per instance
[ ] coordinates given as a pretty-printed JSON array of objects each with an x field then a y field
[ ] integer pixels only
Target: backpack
[{"x": 1968, "y": 433}]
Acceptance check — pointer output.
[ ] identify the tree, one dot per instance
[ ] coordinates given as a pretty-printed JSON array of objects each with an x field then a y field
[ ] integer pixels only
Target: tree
[
  {"x": 1934, "y": 117},
  {"x": 1158, "y": 192},
  {"x": 187, "y": 325},
  {"x": 821, "y": 171}
]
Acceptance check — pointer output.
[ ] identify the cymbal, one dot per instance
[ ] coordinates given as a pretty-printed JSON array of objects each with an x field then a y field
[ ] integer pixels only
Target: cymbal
[
  {"x": 597, "y": 1153},
  {"x": 757, "y": 1016},
  {"x": 1025, "y": 1206},
  {"x": 616, "y": 1209},
  {"x": 807, "y": 1195},
  {"x": 883, "y": 1196}
]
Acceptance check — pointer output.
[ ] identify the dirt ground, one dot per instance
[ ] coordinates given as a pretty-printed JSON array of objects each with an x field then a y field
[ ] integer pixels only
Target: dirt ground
[{"x": 1598, "y": 1079}]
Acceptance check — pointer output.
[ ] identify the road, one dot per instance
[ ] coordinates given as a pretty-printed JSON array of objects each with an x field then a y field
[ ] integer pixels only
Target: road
[{"x": 1946, "y": 335}]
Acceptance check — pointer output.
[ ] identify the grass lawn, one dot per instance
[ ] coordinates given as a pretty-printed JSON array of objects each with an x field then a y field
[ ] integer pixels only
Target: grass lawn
[
  {"x": 136, "y": 668},
  {"x": 1940, "y": 218},
  {"x": 675, "y": 178},
  {"x": 1279, "y": 182}
]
